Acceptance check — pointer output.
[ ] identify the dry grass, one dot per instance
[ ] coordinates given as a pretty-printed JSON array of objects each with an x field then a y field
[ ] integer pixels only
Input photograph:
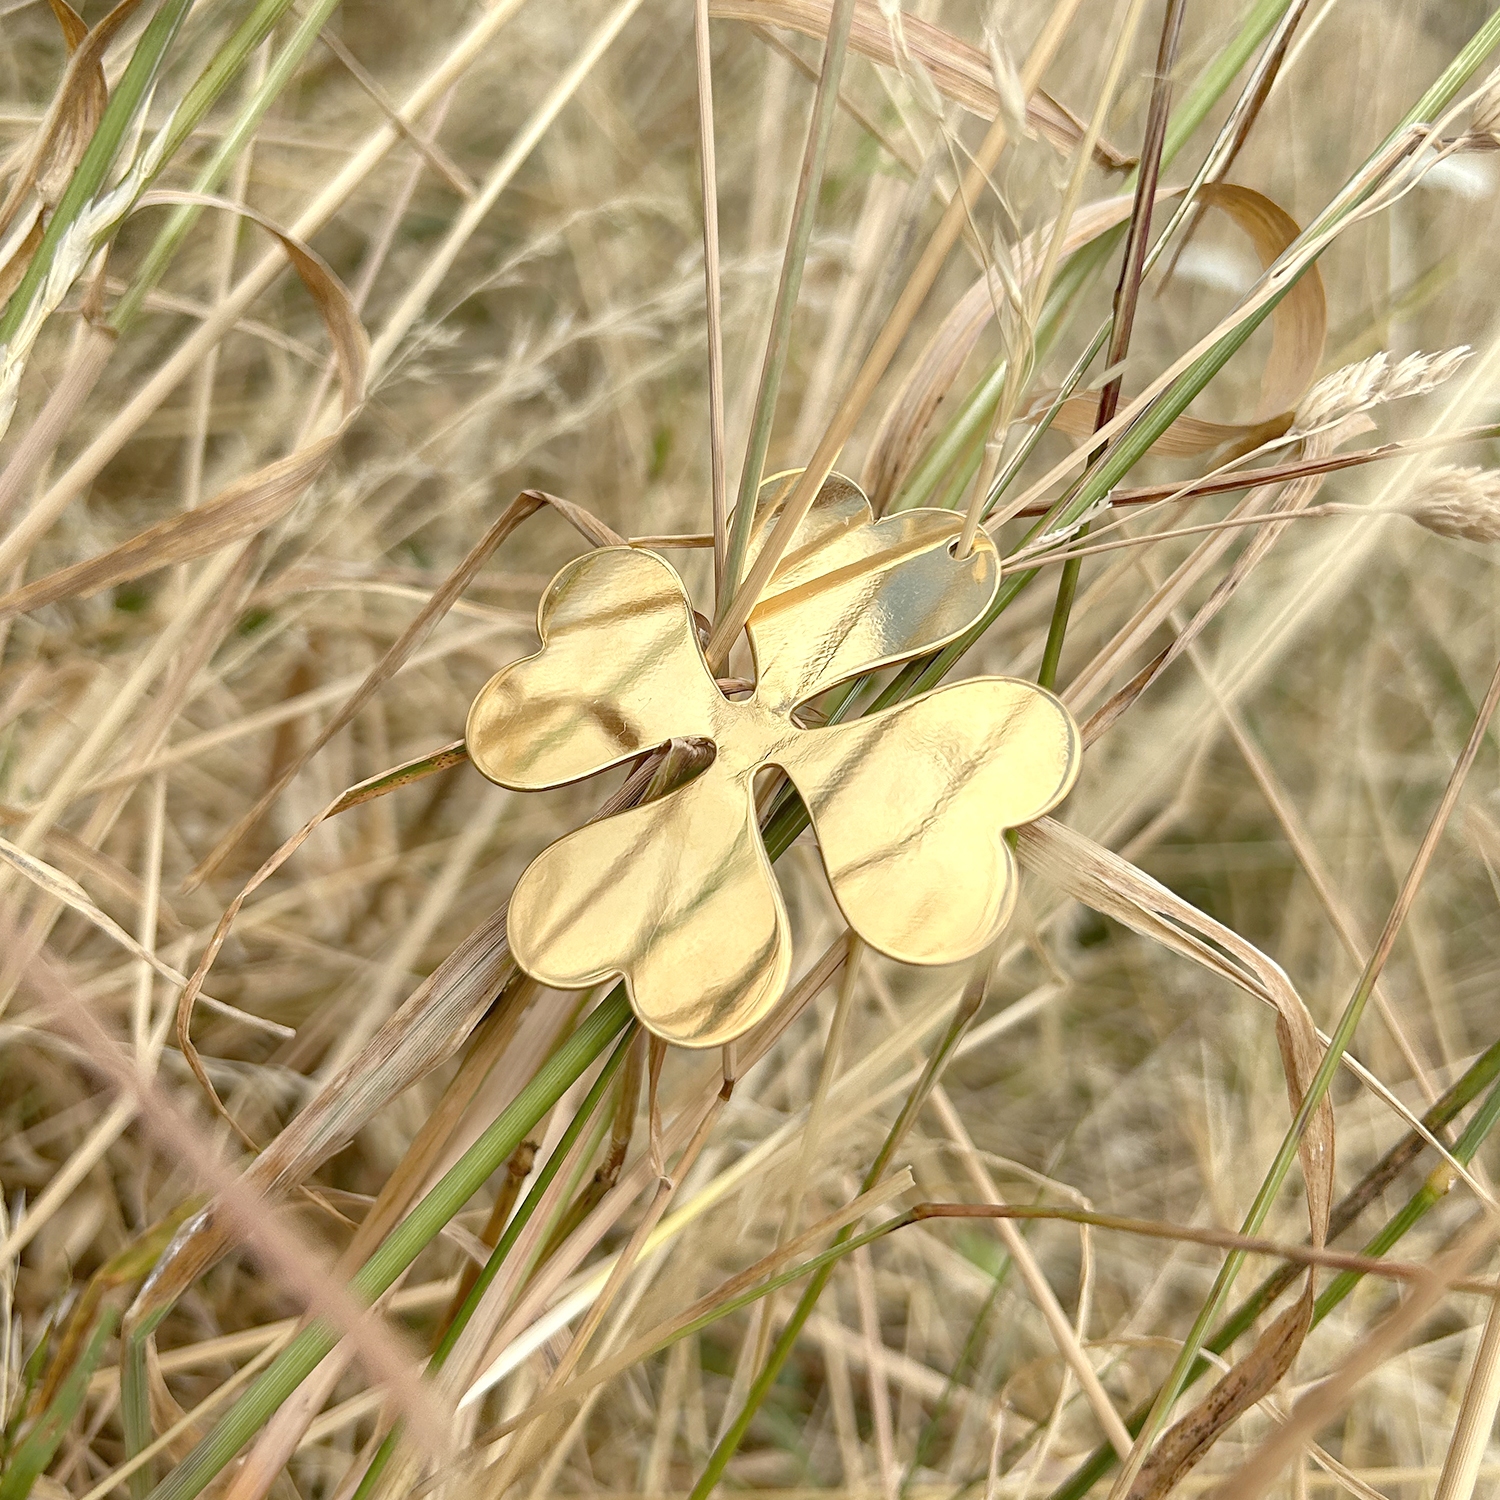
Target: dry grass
[{"x": 525, "y": 257}]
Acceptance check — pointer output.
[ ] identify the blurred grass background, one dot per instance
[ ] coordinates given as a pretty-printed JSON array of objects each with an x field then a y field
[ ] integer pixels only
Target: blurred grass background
[{"x": 565, "y": 349}]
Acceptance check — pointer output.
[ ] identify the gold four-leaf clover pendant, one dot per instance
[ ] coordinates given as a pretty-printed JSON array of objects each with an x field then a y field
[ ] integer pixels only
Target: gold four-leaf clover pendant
[{"x": 910, "y": 805}]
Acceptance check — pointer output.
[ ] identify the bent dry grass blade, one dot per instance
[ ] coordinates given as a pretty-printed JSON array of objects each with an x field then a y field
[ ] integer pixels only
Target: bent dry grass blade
[
  {"x": 507, "y": 358},
  {"x": 419, "y": 1228}
]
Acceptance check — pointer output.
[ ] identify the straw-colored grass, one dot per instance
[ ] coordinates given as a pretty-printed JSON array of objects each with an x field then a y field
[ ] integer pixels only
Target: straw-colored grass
[{"x": 375, "y": 271}]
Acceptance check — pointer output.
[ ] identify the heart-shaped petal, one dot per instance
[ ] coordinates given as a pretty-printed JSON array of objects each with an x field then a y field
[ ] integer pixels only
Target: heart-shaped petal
[
  {"x": 852, "y": 593},
  {"x": 619, "y": 671},
  {"x": 677, "y": 897},
  {"x": 910, "y": 807}
]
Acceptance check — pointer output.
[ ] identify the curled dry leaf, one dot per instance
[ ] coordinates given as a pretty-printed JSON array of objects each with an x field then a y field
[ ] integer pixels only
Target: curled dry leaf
[
  {"x": 251, "y": 504},
  {"x": 1299, "y": 324},
  {"x": 932, "y": 375},
  {"x": 86, "y": 95},
  {"x": 1185, "y": 438},
  {"x": 1299, "y": 331},
  {"x": 1109, "y": 884},
  {"x": 1247, "y": 1381},
  {"x": 959, "y": 71}
]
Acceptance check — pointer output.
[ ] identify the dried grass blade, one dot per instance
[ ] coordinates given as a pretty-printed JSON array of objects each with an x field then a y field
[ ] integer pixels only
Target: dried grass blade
[
  {"x": 429, "y": 150},
  {"x": 88, "y": 211},
  {"x": 441, "y": 1202},
  {"x": 76, "y": 123},
  {"x": 850, "y": 106},
  {"x": 63, "y": 403},
  {"x": 243, "y": 509},
  {"x": 1109, "y": 884},
  {"x": 527, "y": 503},
  {"x": 60, "y": 887},
  {"x": 1476, "y": 1416},
  {"x": 1219, "y": 1239},
  {"x": 59, "y": 140},
  {"x": 1079, "y": 416},
  {"x": 1247, "y": 1382},
  {"x": 959, "y": 71},
  {"x": 258, "y": 500},
  {"x": 969, "y": 1002},
  {"x": 400, "y": 320},
  {"x": 376, "y": 786}
]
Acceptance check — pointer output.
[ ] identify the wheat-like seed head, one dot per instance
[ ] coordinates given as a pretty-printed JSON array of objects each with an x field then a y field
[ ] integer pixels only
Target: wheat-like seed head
[
  {"x": 1374, "y": 381},
  {"x": 1459, "y": 501}
]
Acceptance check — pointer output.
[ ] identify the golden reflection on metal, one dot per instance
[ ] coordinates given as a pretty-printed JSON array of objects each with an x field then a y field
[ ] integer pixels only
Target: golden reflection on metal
[{"x": 910, "y": 805}]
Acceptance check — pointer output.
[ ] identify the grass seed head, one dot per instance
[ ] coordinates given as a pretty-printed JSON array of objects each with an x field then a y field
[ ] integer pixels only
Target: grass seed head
[
  {"x": 1374, "y": 381},
  {"x": 1459, "y": 502}
]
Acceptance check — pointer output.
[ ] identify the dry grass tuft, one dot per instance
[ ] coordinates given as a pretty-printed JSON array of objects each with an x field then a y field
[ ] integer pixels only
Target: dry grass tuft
[{"x": 264, "y": 1048}]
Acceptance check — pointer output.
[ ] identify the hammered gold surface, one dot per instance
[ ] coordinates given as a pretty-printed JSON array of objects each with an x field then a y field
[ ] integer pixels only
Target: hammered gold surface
[
  {"x": 850, "y": 594},
  {"x": 910, "y": 806},
  {"x": 620, "y": 672},
  {"x": 678, "y": 897}
]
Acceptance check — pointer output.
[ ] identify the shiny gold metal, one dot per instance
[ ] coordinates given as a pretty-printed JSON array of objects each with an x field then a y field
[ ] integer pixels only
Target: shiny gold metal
[{"x": 909, "y": 805}]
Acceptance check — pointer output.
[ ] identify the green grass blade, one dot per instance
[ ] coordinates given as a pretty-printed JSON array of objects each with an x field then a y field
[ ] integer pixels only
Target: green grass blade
[
  {"x": 125, "y": 101},
  {"x": 229, "y": 59},
  {"x": 402, "y": 1246},
  {"x": 778, "y": 342},
  {"x": 36, "y": 1450}
]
